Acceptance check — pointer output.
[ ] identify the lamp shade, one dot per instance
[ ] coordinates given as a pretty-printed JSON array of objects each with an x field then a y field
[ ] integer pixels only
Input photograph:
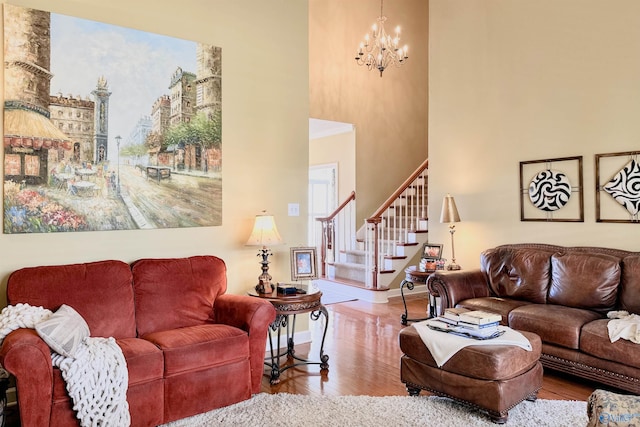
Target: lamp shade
[
  {"x": 265, "y": 232},
  {"x": 449, "y": 210}
]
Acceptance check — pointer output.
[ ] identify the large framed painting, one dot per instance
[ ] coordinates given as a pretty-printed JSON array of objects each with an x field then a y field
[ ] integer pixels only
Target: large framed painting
[
  {"x": 552, "y": 190},
  {"x": 108, "y": 128},
  {"x": 618, "y": 187}
]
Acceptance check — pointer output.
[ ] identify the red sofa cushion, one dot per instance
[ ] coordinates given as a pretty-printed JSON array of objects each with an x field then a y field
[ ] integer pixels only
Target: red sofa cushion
[
  {"x": 100, "y": 292},
  {"x": 145, "y": 361},
  {"x": 176, "y": 292},
  {"x": 200, "y": 347}
]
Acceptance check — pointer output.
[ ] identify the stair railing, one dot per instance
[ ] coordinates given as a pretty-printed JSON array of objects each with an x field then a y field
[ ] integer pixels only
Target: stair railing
[
  {"x": 391, "y": 224},
  {"x": 338, "y": 232}
]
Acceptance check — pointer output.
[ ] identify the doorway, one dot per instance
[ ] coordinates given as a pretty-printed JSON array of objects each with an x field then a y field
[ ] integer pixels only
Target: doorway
[{"x": 323, "y": 197}]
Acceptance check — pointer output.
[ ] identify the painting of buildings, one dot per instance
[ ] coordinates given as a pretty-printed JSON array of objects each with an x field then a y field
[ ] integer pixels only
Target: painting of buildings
[{"x": 108, "y": 128}]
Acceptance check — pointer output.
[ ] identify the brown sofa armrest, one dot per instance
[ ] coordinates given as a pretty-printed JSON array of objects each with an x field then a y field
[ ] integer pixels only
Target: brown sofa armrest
[
  {"x": 253, "y": 315},
  {"x": 27, "y": 357},
  {"x": 453, "y": 287}
]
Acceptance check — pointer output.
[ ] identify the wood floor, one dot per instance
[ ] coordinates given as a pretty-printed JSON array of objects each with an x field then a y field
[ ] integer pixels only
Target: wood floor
[{"x": 364, "y": 356}]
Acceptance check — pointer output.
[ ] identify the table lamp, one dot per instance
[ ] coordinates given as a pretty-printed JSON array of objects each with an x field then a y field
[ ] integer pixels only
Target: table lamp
[
  {"x": 265, "y": 233},
  {"x": 450, "y": 215}
]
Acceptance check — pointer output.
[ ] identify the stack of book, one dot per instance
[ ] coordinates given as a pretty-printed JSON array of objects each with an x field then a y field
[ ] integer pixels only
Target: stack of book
[{"x": 474, "y": 323}]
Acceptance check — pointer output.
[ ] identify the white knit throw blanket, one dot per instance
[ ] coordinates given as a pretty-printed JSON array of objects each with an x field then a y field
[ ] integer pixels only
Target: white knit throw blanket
[{"x": 96, "y": 379}]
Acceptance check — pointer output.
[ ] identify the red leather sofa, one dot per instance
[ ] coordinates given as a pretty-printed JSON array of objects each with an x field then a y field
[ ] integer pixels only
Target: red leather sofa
[
  {"x": 189, "y": 346},
  {"x": 562, "y": 294}
]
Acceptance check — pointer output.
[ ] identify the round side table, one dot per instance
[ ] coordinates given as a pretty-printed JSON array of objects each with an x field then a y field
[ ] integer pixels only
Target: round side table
[
  {"x": 414, "y": 276},
  {"x": 307, "y": 301}
]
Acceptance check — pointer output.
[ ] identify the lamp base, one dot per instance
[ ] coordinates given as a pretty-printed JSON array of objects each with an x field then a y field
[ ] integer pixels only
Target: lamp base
[
  {"x": 264, "y": 286},
  {"x": 453, "y": 267}
]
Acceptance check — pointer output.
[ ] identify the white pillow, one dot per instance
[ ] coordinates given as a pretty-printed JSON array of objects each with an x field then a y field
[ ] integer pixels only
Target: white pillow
[{"x": 63, "y": 331}]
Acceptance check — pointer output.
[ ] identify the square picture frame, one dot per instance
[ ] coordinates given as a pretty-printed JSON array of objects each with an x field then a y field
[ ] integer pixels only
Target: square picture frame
[
  {"x": 551, "y": 190},
  {"x": 303, "y": 263},
  {"x": 431, "y": 251},
  {"x": 616, "y": 194}
]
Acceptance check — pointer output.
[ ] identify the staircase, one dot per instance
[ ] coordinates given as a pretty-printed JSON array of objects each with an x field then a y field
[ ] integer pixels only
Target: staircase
[{"x": 370, "y": 258}]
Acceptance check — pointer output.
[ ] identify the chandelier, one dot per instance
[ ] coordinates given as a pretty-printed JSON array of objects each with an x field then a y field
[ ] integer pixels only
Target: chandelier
[{"x": 379, "y": 50}]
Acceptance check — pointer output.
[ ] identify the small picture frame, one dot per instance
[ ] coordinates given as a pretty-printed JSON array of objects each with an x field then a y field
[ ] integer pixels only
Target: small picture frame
[
  {"x": 432, "y": 251},
  {"x": 303, "y": 263}
]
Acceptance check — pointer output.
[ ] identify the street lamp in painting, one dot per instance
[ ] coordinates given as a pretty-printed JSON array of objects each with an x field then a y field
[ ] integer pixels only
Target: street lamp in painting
[{"x": 118, "y": 138}]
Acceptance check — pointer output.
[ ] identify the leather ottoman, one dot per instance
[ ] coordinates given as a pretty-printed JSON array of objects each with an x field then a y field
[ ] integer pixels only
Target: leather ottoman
[{"x": 492, "y": 378}]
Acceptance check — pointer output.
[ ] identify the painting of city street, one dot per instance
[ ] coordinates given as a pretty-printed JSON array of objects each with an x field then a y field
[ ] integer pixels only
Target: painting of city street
[{"x": 108, "y": 128}]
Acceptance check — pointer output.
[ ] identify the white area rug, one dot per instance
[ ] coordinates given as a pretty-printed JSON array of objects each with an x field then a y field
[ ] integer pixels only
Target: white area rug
[{"x": 272, "y": 410}]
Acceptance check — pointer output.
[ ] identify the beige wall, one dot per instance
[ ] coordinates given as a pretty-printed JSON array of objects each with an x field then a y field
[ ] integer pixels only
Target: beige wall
[
  {"x": 265, "y": 135},
  {"x": 337, "y": 149},
  {"x": 517, "y": 80},
  {"x": 389, "y": 113}
]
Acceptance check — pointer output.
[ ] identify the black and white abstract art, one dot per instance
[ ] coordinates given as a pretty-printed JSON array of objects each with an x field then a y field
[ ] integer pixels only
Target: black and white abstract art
[
  {"x": 618, "y": 179},
  {"x": 624, "y": 187},
  {"x": 551, "y": 190}
]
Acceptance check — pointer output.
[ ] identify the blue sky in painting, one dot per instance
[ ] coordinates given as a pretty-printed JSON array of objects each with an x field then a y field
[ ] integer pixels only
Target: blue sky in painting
[{"x": 137, "y": 66}]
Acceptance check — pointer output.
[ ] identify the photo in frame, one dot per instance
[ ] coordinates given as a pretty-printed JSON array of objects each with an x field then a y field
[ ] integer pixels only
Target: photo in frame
[
  {"x": 303, "y": 263},
  {"x": 431, "y": 257},
  {"x": 551, "y": 190},
  {"x": 617, "y": 187},
  {"x": 431, "y": 250}
]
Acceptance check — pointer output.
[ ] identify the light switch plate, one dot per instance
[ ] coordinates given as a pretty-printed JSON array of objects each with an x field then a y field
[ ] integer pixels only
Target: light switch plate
[{"x": 294, "y": 209}]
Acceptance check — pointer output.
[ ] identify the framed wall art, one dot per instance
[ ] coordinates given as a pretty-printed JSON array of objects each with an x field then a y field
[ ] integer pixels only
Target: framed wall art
[
  {"x": 552, "y": 190},
  {"x": 618, "y": 187},
  {"x": 108, "y": 128},
  {"x": 303, "y": 263}
]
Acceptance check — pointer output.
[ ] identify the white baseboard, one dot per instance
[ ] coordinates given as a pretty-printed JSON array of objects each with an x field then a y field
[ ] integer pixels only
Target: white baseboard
[
  {"x": 417, "y": 289},
  {"x": 368, "y": 295}
]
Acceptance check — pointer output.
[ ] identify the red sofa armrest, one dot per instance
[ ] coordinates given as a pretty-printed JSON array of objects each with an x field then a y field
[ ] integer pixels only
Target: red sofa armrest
[
  {"x": 453, "y": 287},
  {"x": 25, "y": 355},
  {"x": 253, "y": 315}
]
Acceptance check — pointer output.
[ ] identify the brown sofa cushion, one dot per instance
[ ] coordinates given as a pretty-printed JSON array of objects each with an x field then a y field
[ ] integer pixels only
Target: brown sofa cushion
[
  {"x": 584, "y": 280},
  {"x": 595, "y": 341},
  {"x": 518, "y": 273},
  {"x": 629, "y": 293},
  {"x": 175, "y": 293},
  {"x": 555, "y": 324}
]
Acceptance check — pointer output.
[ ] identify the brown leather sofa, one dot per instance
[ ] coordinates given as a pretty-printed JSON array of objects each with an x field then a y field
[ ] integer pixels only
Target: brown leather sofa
[
  {"x": 561, "y": 294},
  {"x": 189, "y": 346}
]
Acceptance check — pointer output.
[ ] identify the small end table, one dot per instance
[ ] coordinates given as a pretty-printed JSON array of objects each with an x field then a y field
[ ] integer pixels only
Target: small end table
[
  {"x": 307, "y": 301},
  {"x": 413, "y": 276}
]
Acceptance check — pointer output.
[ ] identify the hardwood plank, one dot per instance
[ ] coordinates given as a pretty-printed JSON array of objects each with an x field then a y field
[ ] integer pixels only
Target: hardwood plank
[{"x": 364, "y": 356}]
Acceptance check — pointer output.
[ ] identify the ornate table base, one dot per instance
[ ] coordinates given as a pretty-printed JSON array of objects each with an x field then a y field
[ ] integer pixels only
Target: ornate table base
[
  {"x": 307, "y": 300},
  {"x": 282, "y": 321},
  {"x": 412, "y": 275}
]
